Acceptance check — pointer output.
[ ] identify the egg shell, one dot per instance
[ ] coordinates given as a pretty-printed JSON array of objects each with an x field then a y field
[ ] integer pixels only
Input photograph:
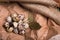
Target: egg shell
[
  {"x": 21, "y": 16},
  {"x": 9, "y": 19},
  {"x": 10, "y": 29},
  {"x": 16, "y": 30},
  {"x": 26, "y": 25},
  {"x": 23, "y": 32},
  {"x": 6, "y": 24},
  {"x": 15, "y": 24},
  {"x": 14, "y": 15},
  {"x": 20, "y": 22}
]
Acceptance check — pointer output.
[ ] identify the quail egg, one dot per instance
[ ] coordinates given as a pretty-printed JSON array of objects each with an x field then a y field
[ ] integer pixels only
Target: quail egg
[
  {"x": 16, "y": 30},
  {"x": 14, "y": 15},
  {"x": 20, "y": 22},
  {"x": 23, "y": 32},
  {"x": 21, "y": 16},
  {"x": 20, "y": 27},
  {"x": 26, "y": 25},
  {"x": 10, "y": 29},
  {"x": 6, "y": 24},
  {"x": 15, "y": 24},
  {"x": 16, "y": 19},
  {"x": 9, "y": 19}
]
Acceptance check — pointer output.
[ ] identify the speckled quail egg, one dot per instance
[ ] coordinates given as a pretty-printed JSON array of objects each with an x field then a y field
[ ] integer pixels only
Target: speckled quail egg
[
  {"x": 16, "y": 19},
  {"x": 10, "y": 29},
  {"x": 15, "y": 24},
  {"x": 20, "y": 27},
  {"x": 9, "y": 19},
  {"x": 26, "y": 25},
  {"x": 21, "y": 16},
  {"x": 6, "y": 24},
  {"x": 20, "y": 22},
  {"x": 16, "y": 30},
  {"x": 14, "y": 15},
  {"x": 23, "y": 32}
]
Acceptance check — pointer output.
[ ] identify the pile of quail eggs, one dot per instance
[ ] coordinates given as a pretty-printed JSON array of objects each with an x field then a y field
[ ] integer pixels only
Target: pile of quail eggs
[{"x": 16, "y": 23}]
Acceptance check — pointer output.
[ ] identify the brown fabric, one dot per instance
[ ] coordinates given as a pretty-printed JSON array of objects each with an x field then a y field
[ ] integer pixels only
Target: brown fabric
[
  {"x": 48, "y": 26},
  {"x": 58, "y": 1},
  {"x": 13, "y": 36}
]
